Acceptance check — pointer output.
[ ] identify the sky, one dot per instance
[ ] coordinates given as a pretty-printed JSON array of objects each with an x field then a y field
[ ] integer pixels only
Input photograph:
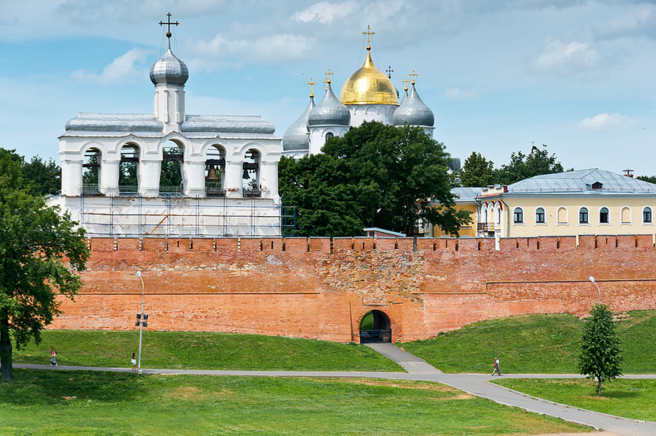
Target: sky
[{"x": 499, "y": 75}]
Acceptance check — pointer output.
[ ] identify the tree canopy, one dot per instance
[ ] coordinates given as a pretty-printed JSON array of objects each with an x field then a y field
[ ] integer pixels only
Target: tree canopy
[
  {"x": 477, "y": 171},
  {"x": 41, "y": 252},
  {"x": 601, "y": 357},
  {"x": 523, "y": 166},
  {"x": 373, "y": 176}
]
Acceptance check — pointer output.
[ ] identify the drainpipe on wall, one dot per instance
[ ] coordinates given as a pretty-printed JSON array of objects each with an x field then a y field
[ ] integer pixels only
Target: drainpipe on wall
[{"x": 507, "y": 215}]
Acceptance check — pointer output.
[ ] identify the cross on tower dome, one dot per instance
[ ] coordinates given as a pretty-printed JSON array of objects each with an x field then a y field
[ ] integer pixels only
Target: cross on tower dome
[{"x": 169, "y": 24}]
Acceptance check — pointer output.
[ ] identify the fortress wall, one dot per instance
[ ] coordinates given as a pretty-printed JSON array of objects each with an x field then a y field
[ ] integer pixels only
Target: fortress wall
[{"x": 303, "y": 287}]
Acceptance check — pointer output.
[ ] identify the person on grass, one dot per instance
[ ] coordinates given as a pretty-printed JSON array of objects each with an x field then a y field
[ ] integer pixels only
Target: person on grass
[
  {"x": 134, "y": 363},
  {"x": 53, "y": 357}
]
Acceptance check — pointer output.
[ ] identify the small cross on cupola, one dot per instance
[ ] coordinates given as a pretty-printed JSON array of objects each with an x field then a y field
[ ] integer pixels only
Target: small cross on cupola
[{"x": 169, "y": 24}]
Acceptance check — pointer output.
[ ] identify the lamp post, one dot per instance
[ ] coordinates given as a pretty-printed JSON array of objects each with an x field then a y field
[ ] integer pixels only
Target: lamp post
[
  {"x": 593, "y": 282},
  {"x": 141, "y": 318}
]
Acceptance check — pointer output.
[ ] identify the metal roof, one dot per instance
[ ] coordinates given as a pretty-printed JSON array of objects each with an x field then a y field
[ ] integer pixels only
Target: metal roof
[
  {"x": 581, "y": 182},
  {"x": 466, "y": 194}
]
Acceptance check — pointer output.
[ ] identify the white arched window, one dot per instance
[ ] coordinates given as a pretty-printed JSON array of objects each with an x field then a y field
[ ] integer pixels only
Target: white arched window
[
  {"x": 540, "y": 216},
  {"x": 647, "y": 216},
  {"x": 584, "y": 217},
  {"x": 518, "y": 215},
  {"x": 604, "y": 216}
]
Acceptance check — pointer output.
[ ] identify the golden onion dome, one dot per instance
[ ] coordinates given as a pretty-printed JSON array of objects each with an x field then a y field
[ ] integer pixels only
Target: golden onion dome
[{"x": 368, "y": 85}]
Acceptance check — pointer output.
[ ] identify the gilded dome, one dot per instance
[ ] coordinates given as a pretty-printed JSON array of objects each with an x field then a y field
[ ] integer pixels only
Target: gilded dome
[{"x": 369, "y": 85}]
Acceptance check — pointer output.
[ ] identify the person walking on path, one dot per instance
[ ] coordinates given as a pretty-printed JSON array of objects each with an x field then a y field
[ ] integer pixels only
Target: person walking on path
[
  {"x": 134, "y": 363},
  {"x": 53, "y": 357},
  {"x": 496, "y": 367}
]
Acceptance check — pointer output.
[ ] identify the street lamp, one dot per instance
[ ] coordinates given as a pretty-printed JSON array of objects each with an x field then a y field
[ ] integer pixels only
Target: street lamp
[
  {"x": 142, "y": 320},
  {"x": 593, "y": 282}
]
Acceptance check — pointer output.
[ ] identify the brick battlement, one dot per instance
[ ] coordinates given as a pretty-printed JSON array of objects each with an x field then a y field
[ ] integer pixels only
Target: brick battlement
[{"x": 321, "y": 288}]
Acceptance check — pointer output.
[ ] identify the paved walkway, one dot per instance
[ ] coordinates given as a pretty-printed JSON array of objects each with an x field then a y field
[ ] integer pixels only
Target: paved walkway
[{"x": 419, "y": 370}]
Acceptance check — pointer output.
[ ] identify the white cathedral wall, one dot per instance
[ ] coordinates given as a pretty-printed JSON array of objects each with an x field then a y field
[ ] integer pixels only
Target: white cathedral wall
[{"x": 371, "y": 112}]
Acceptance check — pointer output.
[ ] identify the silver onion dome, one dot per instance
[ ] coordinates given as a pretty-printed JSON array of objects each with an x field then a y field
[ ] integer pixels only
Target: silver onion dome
[
  {"x": 329, "y": 112},
  {"x": 413, "y": 111},
  {"x": 169, "y": 70},
  {"x": 296, "y": 136}
]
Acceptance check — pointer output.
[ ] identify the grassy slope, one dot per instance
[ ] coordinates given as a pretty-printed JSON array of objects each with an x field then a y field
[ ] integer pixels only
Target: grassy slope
[
  {"x": 193, "y": 350},
  {"x": 634, "y": 399},
  {"x": 534, "y": 344},
  {"x": 111, "y": 404}
]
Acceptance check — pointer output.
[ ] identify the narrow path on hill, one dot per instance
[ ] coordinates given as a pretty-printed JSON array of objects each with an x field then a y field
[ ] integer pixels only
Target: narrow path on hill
[{"x": 475, "y": 384}]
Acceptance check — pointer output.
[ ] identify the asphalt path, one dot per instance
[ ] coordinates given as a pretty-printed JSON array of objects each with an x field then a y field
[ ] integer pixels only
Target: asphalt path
[{"x": 418, "y": 370}]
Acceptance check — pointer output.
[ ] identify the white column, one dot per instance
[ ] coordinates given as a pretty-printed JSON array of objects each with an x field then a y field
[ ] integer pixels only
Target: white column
[
  {"x": 233, "y": 181},
  {"x": 148, "y": 175},
  {"x": 269, "y": 179},
  {"x": 193, "y": 178},
  {"x": 71, "y": 177},
  {"x": 108, "y": 175}
]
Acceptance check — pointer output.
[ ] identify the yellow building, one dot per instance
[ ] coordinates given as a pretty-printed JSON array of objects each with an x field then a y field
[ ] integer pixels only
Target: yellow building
[
  {"x": 582, "y": 202},
  {"x": 465, "y": 200}
]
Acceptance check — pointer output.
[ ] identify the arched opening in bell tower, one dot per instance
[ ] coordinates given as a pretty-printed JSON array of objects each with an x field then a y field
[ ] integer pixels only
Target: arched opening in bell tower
[
  {"x": 215, "y": 166},
  {"x": 128, "y": 175},
  {"x": 375, "y": 326},
  {"x": 171, "y": 181},
  {"x": 251, "y": 175},
  {"x": 91, "y": 172}
]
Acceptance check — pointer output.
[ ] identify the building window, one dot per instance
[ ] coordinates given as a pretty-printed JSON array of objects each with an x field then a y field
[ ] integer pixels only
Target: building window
[
  {"x": 329, "y": 135},
  {"x": 646, "y": 215},
  {"x": 497, "y": 211},
  {"x": 596, "y": 185},
  {"x": 583, "y": 215},
  {"x": 518, "y": 216},
  {"x": 604, "y": 216},
  {"x": 539, "y": 215},
  {"x": 626, "y": 215},
  {"x": 562, "y": 215}
]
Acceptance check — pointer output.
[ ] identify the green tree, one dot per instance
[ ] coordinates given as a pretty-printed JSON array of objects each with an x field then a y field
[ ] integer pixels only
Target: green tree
[
  {"x": 397, "y": 173},
  {"x": 650, "y": 179},
  {"x": 45, "y": 176},
  {"x": 41, "y": 252},
  {"x": 477, "y": 171},
  {"x": 318, "y": 185},
  {"x": 523, "y": 166},
  {"x": 601, "y": 357}
]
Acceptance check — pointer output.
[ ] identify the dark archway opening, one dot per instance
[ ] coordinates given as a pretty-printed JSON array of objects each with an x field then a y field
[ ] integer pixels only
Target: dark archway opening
[{"x": 375, "y": 326}]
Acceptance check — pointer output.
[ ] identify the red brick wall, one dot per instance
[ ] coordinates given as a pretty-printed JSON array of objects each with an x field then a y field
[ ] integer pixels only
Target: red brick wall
[{"x": 299, "y": 287}]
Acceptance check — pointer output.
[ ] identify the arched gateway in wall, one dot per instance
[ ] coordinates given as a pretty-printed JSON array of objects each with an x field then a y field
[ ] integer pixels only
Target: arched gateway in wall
[{"x": 375, "y": 326}]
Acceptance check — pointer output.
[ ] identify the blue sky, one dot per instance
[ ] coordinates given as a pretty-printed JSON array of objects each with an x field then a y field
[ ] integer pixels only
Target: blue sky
[{"x": 578, "y": 76}]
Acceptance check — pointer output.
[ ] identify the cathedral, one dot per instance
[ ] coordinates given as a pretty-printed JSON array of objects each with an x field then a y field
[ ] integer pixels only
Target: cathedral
[{"x": 368, "y": 95}]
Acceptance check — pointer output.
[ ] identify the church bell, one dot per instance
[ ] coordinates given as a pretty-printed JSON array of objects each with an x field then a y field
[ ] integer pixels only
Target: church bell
[
  {"x": 245, "y": 175},
  {"x": 211, "y": 175}
]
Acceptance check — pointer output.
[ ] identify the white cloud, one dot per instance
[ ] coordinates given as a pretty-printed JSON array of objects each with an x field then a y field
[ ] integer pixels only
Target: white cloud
[
  {"x": 639, "y": 21},
  {"x": 460, "y": 94},
  {"x": 122, "y": 69},
  {"x": 564, "y": 59},
  {"x": 607, "y": 122},
  {"x": 221, "y": 52},
  {"x": 325, "y": 12}
]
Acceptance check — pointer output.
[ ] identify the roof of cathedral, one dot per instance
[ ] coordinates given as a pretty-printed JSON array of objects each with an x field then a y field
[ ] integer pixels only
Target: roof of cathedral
[
  {"x": 147, "y": 126},
  {"x": 169, "y": 70},
  {"x": 369, "y": 85},
  {"x": 413, "y": 111},
  {"x": 296, "y": 137},
  {"x": 329, "y": 111}
]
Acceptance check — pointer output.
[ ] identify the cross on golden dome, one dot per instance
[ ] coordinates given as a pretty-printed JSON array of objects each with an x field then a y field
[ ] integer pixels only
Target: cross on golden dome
[
  {"x": 389, "y": 72},
  {"x": 311, "y": 83},
  {"x": 405, "y": 83},
  {"x": 169, "y": 24},
  {"x": 413, "y": 75},
  {"x": 368, "y": 33},
  {"x": 328, "y": 81}
]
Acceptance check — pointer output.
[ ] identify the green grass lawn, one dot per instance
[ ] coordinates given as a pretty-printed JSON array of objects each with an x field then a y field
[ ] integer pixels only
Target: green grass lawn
[
  {"x": 534, "y": 344},
  {"x": 192, "y": 350},
  {"x": 118, "y": 404},
  {"x": 634, "y": 399}
]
